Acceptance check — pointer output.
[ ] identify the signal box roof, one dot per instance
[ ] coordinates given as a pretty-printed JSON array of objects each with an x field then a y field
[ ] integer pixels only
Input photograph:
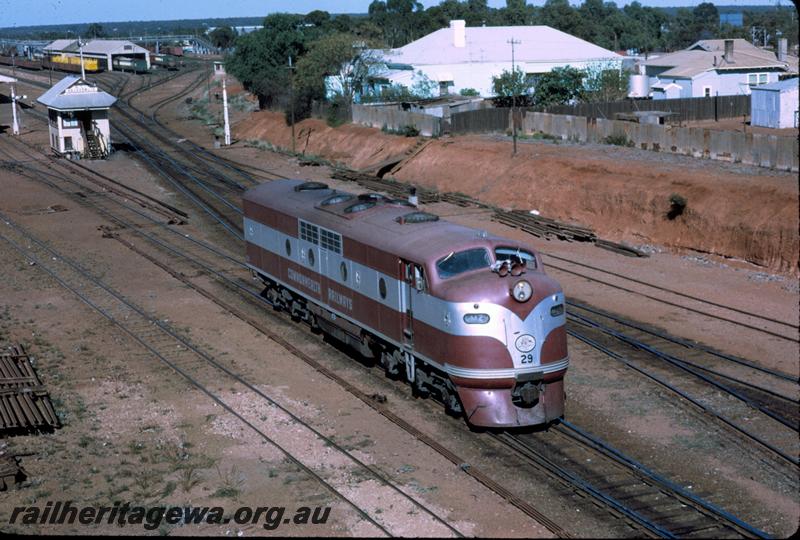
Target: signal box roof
[{"x": 75, "y": 94}]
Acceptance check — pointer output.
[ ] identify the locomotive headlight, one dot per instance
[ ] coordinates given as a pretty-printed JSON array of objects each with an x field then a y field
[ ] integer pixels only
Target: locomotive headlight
[
  {"x": 522, "y": 291},
  {"x": 525, "y": 343},
  {"x": 476, "y": 318}
]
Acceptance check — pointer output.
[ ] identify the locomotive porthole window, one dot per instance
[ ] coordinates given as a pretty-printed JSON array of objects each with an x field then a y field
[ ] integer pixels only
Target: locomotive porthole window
[
  {"x": 288, "y": 248},
  {"x": 382, "y": 288},
  {"x": 311, "y": 256},
  {"x": 343, "y": 271}
]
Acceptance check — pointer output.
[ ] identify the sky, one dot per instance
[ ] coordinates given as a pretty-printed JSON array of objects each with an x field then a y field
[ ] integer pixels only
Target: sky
[{"x": 43, "y": 12}]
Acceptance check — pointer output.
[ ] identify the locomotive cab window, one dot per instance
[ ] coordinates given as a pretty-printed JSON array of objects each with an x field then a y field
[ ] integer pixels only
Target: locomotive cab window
[
  {"x": 516, "y": 256},
  {"x": 457, "y": 263},
  {"x": 415, "y": 276}
]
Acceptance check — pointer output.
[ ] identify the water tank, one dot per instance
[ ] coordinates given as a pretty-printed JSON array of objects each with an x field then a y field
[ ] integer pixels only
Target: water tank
[{"x": 639, "y": 86}]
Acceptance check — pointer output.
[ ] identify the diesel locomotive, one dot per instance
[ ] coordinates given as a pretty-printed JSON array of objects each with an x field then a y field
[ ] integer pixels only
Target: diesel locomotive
[{"x": 463, "y": 315}]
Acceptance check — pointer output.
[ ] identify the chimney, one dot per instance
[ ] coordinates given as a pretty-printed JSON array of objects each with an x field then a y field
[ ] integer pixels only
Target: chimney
[
  {"x": 728, "y": 56},
  {"x": 783, "y": 46},
  {"x": 459, "y": 33}
]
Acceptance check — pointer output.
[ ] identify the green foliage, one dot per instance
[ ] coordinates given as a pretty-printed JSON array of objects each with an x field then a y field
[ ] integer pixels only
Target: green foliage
[
  {"x": 406, "y": 131},
  {"x": 260, "y": 61},
  {"x": 618, "y": 140},
  {"x": 604, "y": 82},
  {"x": 468, "y": 92},
  {"x": 343, "y": 57},
  {"x": 512, "y": 88},
  {"x": 95, "y": 30},
  {"x": 338, "y": 111},
  {"x": 558, "y": 87},
  {"x": 423, "y": 87},
  {"x": 677, "y": 204},
  {"x": 222, "y": 37}
]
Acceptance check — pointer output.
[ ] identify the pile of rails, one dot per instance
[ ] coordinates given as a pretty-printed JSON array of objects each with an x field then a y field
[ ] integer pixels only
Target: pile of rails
[
  {"x": 25, "y": 405},
  {"x": 534, "y": 224}
]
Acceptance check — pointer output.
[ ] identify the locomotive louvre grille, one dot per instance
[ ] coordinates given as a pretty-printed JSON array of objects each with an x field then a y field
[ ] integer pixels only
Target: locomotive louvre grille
[
  {"x": 309, "y": 232},
  {"x": 417, "y": 217},
  {"x": 331, "y": 241}
]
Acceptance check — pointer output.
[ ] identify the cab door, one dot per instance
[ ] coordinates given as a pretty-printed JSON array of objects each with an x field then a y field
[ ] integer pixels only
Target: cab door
[{"x": 413, "y": 284}]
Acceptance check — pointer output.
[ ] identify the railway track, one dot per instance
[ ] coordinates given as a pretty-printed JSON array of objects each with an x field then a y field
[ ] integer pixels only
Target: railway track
[
  {"x": 649, "y": 502},
  {"x": 654, "y": 519},
  {"x": 135, "y": 227},
  {"x": 758, "y": 405},
  {"x": 656, "y": 523},
  {"x": 213, "y": 378}
]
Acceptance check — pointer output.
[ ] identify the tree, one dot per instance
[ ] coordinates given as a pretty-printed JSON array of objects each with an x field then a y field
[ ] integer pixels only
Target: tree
[
  {"x": 511, "y": 88},
  {"x": 396, "y": 18},
  {"x": 705, "y": 20},
  {"x": 222, "y": 37},
  {"x": 95, "y": 30},
  {"x": 343, "y": 57},
  {"x": 560, "y": 86},
  {"x": 560, "y": 15},
  {"x": 603, "y": 81},
  {"x": 260, "y": 61}
]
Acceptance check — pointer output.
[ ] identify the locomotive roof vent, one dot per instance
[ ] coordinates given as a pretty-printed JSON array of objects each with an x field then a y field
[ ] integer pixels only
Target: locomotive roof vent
[
  {"x": 417, "y": 217},
  {"x": 310, "y": 186},
  {"x": 371, "y": 197},
  {"x": 359, "y": 207},
  {"x": 336, "y": 199}
]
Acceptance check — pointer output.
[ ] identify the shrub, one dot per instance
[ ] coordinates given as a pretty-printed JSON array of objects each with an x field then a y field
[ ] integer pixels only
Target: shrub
[
  {"x": 469, "y": 92},
  {"x": 677, "y": 204},
  {"x": 618, "y": 140}
]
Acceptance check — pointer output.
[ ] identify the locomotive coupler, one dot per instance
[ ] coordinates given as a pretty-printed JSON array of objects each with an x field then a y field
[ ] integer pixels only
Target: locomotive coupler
[{"x": 526, "y": 394}]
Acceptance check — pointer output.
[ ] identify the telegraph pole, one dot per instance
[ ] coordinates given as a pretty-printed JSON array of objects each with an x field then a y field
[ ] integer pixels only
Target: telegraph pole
[
  {"x": 83, "y": 69},
  {"x": 225, "y": 113},
  {"x": 513, "y": 42},
  {"x": 291, "y": 98},
  {"x": 14, "y": 120}
]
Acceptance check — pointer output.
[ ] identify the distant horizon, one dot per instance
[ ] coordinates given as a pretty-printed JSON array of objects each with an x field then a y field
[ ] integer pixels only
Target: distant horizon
[{"x": 42, "y": 13}]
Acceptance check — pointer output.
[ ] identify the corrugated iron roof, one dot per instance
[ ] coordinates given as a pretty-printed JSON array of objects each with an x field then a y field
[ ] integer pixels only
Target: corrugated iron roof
[
  {"x": 490, "y": 44},
  {"x": 708, "y": 55},
  {"x": 56, "y": 98},
  {"x": 96, "y": 46},
  {"x": 780, "y": 86}
]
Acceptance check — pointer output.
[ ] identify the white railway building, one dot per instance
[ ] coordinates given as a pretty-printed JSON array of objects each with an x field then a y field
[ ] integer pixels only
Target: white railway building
[
  {"x": 102, "y": 49},
  {"x": 78, "y": 118}
]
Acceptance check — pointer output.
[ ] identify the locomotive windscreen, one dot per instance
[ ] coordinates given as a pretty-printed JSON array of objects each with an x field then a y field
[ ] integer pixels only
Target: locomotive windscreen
[
  {"x": 463, "y": 261},
  {"x": 516, "y": 255}
]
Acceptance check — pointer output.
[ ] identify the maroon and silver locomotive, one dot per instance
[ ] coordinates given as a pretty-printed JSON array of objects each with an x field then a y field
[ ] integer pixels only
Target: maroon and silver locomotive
[{"x": 469, "y": 317}]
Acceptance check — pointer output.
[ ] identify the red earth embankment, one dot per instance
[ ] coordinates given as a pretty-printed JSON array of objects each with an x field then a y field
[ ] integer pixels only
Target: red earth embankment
[{"x": 623, "y": 194}]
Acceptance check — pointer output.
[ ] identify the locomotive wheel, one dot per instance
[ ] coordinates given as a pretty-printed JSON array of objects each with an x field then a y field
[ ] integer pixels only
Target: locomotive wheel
[{"x": 452, "y": 405}]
